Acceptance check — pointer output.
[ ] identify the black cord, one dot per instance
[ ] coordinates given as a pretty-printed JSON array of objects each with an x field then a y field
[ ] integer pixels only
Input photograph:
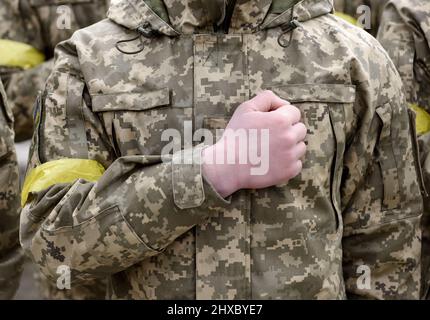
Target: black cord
[
  {"x": 229, "y": 14},
  {"x": 130, "y": 40},
  {"x": 146, "y": 31},
  {"x": 286, "y": 28}
]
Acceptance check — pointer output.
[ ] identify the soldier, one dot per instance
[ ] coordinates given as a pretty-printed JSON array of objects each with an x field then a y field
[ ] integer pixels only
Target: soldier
[
  {"x": 405, "y": 34},
  {"x": 354, "y": 10},
  {"x": 29, "y": 32},
  {"x": 341, "y": 222},
  {"x": 11, "y": 254}
]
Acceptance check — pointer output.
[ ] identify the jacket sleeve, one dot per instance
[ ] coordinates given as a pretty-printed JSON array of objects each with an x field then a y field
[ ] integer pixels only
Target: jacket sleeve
[
  {"x": 403, "y": 36},
  {"x": 11, "y": 255},
  {"x": 381, "y": 194},
  {"x": 397, "y": 38},
  {"x": 136, "y": 208},
  {"x": 424, "y": 146}
]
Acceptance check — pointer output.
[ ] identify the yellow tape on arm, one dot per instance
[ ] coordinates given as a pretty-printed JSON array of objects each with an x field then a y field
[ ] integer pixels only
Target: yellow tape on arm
[
  {"x": 422, "y": 119},
  {"x": 60, "y": 171},
  {"x": 346, "y": 17},
  {"x": 18, "y": 54}
]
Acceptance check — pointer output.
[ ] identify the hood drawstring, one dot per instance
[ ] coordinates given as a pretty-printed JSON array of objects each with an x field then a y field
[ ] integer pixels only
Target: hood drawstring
[
  {"x": 145, "y": 30},
  {"x": 288, "y": 28}
]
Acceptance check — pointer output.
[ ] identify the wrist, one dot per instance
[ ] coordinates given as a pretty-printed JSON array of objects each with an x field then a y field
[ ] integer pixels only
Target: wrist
[{"x": 219, "y": 175}]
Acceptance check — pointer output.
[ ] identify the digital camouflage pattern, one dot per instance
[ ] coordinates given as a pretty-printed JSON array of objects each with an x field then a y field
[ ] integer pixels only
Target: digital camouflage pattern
[
  {"x": 157, "y": 228},
  {"x": 352, "y": 8},
  {"x": 405, "y": 34},
  {"x": 41, "y": 24},
  {"x": 11, "y": 254}
]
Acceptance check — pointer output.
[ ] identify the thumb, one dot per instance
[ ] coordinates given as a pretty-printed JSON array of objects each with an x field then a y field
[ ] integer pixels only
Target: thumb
[{"x": 267, "y": 101}]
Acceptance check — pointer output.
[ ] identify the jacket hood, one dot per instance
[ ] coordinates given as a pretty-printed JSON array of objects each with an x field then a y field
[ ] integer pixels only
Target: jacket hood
[{"x": 174, "y": 17}]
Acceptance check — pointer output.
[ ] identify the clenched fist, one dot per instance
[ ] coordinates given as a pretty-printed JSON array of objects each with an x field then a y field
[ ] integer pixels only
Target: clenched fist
[{"x": 273, "y": 128}]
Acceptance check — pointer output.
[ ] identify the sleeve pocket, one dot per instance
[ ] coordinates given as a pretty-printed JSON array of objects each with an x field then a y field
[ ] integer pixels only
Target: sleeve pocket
[{"x": 387, "y": 161}]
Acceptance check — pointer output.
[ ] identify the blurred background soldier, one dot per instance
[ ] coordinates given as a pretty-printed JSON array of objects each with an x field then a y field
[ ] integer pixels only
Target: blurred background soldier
[
  {"x": 368, "y": 16},
  {"x": 405, "y": 34},
  {"x": 29, "y": 32},
  {"x": 11, "y": 254}
]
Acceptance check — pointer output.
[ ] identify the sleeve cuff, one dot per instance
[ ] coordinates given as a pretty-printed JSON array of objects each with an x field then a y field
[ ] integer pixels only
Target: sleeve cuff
[{"x": 190, "y": 189}]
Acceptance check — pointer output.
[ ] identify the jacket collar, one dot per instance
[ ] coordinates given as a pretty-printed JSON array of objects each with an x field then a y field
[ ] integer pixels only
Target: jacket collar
[{"x": 174, "y": 17}]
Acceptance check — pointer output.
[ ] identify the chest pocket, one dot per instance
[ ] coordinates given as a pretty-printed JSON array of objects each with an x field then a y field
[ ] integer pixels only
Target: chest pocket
[
  {"x": 327, "y": 112},
  {"x": 143, "y": 123}
]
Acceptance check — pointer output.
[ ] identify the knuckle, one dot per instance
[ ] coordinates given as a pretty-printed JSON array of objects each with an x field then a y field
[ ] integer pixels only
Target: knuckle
[
  {"x": 284, "y": 120},
  {"x": 299, "y": 168},
  {"x": 301, "y": 130},
  {"x": 294, "y": 111},
  {"x": 302, "y": 127},
  {"x": 280, "y": 121},
  {"x": 304, "y": 150},
  {"x": 267, "y": 93},
  {"x": 294, "y": 108},
  {"x": 289, "y": 138},
  {"x": 289, "y": 157}
]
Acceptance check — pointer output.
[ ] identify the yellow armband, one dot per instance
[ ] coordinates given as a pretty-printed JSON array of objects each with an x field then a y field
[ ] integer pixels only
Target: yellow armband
[
  {"x": 422, "y": 119},
  {"x": 18, "y": 54},
  {"x": 60, "y": 171}
]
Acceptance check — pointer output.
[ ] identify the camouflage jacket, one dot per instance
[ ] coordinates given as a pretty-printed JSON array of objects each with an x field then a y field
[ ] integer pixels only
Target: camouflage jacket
[
  {"x": 374, "y": 9},
  {"x": 41, "y": 24},
  {"x": 405, "y": 34},
  {"x": 11, "y": 254},
  {"x": 348, "y": 226}
]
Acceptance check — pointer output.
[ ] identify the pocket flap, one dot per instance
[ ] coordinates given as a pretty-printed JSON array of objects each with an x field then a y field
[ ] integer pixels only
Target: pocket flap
[
  {"x": 131, "y": 101},
  {"x": 329, "y": 93}
]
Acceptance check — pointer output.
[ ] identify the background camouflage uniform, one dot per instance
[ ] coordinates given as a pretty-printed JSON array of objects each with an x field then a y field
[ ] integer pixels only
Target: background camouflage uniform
[
  {"x": 158, "y": 228},
  {"x": 405, "y": 34},
  {"x": 11, "y": 254},
  {"x": 39, "y": 23},
  {"x": 350, "y": 7}
]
